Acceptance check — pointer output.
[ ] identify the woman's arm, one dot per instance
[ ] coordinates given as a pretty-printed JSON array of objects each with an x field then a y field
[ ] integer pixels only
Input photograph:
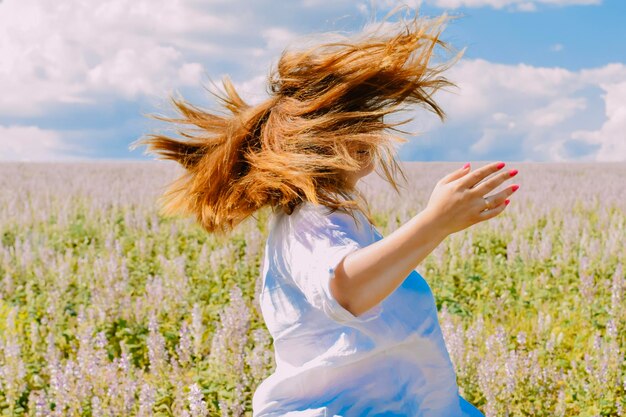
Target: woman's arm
[{"x": 366, "y": 277}]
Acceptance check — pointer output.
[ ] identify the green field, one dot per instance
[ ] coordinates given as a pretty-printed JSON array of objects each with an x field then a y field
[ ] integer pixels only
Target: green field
[{"x": 108, "y": 309}]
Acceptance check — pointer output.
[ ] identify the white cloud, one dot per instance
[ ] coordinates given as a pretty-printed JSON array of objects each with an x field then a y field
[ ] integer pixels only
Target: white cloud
[
  {"x": 190, "y": 74},
  {"x": 78, "y": 51},
  {"x": 556, "y": 111},
  {"x": 612, "y": 135},
  {"x": 253, "y": 91},
  {"x": 486, "y": 87},
  {"x": 535, "y": 110},
  {"x": 30, "y": 143},
  {"x": 135, "y": 71},
  {"x": 277, "y": 37},
  {"x": 75, "y": 51},
  {"x": 609, "y": 74}
]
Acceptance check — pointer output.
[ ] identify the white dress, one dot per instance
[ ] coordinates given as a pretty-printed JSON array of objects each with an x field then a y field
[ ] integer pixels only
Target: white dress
[{"x": 389, "y": 361}]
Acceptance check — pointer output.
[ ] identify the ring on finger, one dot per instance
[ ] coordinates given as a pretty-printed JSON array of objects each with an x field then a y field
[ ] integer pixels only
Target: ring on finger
[{"x": 487, "y": 205}]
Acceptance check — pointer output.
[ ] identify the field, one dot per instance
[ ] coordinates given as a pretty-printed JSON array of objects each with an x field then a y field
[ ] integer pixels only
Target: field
[{"x": 108, "y": 309}]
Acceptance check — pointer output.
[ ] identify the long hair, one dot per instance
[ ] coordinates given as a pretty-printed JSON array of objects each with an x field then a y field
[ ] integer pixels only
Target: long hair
[{"x": 325, "y": 111}]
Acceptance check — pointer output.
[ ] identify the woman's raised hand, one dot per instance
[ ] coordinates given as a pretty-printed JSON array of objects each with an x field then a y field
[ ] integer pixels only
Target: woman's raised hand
[
  {"x": 458, "y": 202},
  {"x": 368, "y": 275}
]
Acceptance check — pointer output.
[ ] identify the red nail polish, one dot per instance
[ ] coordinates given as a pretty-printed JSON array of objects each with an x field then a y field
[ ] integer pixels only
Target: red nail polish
[
  {"x": 515, "y": 187},
  {"x": 506, "y": 202},
  {"x": 513, "y": 172},
  {"x": 466, "y": 165},
  {"x": 500, "y": 165}
]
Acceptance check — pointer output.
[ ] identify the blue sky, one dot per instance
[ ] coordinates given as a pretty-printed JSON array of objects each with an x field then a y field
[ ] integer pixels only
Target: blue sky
[{"x": 539, "y": 81}]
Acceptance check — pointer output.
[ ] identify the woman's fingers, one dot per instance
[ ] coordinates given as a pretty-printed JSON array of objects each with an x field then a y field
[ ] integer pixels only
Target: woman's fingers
[
  {"x": 498, "y": 198},
  {"x": 473, "y": 178},
  {"x": 493, "y": 182},
  {"x": 492, "y": 212}
]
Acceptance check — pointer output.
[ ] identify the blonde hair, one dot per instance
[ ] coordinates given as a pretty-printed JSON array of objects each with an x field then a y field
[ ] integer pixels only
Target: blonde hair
[{"x": 325, "y": 103}]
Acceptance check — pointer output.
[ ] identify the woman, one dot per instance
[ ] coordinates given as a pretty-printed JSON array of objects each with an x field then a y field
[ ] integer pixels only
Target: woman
[{"x": 354, "y": 325}]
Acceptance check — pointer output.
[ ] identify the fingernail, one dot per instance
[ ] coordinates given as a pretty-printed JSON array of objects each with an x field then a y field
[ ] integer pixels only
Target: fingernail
[
  {"x": 506, "y": 202},
  {"x": 500, "y": 165},
  {"x": 466, "y": 165},
  {"x": 515, "y": 187},
  {"x": 513, "y": 172}
]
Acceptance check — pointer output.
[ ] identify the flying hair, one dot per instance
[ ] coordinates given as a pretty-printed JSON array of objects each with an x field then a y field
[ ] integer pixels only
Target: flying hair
[{"x": 326, "y": 109}]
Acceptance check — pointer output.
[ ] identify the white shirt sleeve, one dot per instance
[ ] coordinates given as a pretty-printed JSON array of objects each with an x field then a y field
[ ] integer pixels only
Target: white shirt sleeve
[{"x": 316, "y": 247}]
